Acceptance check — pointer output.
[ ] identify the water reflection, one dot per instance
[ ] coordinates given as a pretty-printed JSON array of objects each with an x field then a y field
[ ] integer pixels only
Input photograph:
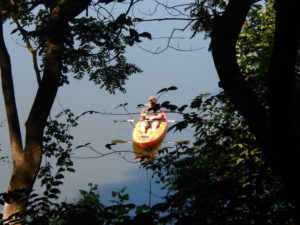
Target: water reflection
[{"x": 146, "y": 153}]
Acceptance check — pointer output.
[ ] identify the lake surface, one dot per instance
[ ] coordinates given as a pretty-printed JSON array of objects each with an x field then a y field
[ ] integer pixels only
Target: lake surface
[{"x": 192, "y": 72}]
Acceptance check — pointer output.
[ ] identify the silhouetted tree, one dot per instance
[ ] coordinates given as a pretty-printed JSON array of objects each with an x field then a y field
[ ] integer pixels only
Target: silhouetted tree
[
  {"x": 274, "y": 118},
  {"x": 66, "y": 41}
]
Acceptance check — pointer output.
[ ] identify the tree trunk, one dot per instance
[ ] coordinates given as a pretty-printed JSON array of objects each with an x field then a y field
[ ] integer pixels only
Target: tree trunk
[
  {"x": 25, "y": 169},
  {"x": 13, "y": 125},
  {"x": 284, "y": 98},
  {"x": 274, "y": 128},
  {"x": 223, "y": 43},
  {"x": 26, "y": 162}
]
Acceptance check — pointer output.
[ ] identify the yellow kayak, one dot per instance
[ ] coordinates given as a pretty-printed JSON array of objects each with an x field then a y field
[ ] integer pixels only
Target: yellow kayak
[{"x": 149, "y": 139}]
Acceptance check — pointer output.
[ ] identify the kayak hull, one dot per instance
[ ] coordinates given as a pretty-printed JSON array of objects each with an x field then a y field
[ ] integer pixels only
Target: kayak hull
[
  {"x": 146, "y": 153},
  {"x": 150, "y": 138}
]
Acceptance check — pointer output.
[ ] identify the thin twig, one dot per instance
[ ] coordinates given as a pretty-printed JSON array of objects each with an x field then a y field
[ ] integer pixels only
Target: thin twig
[
  {"x": 174, "y": 7},
  {"x": 168, "y": 45},
  {"x": 28, "y": 45},
  {"x": 31, "y": 50},
  {"x": 164, "y": 19}
]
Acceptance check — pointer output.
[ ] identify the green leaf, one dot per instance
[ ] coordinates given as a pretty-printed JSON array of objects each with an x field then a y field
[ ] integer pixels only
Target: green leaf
[
  {"x": 146, "y": 35},
  {"x": 59, "y": 176},
  {"x": 55, "y": 191},
  {"x": 172, "y": 88},
  {"x": 124, "y": 198},
  {"x": 141, "y": 209},
  {"x": 114, "y": 193},
  {"x": 162, "y": 90}
]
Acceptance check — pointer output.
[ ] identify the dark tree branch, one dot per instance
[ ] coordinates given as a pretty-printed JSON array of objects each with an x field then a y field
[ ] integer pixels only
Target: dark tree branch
[
  {"x": 132, "y": 2},
  {"x": 9, "y": 95},
  {"x": 225, "y": 33},
  {"x": 168, "y": 45},
  {"x": 164, "y": 19},
  {"x": 180, "y": 16},
  {"x": 158, "y": 51},
  {"x": 174, "y": 8},
  {"x": 120, "y": 153}
]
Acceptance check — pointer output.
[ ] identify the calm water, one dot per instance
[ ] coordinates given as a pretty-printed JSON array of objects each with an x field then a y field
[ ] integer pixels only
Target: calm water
[{"x": 192, "y": 72}]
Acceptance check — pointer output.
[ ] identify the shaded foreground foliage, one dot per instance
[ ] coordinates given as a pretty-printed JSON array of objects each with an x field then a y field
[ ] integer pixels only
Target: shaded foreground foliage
[{"x": 221, "y": 179}]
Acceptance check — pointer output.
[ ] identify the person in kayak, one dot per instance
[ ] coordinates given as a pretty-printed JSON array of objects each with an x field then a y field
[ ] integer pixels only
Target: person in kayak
[{"x": 150, "y": 116}]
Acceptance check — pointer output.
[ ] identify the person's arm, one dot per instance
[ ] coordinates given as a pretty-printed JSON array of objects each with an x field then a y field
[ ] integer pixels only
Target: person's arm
[
  {"x": 143, "y": 116},
  {"x": 157, "y": 117}
]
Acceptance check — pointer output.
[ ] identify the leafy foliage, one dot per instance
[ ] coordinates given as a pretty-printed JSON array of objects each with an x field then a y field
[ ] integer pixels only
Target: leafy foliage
[
  {"x": 254, "y": 46},
  {"x": 57, "y": 145},
  {"x": 97, "y": 48},
  {"x": 87, "y": 210},
  {"x": 57, "y": 149},
  {"x": 45, "y": 209},
  {"x": 204, "y": 12},
  {"x": 94, "y": 46},
  {"x": 222, "y": 178}
]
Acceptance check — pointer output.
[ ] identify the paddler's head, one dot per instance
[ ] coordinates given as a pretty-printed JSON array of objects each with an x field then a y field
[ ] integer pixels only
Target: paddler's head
[{"x": 152, "y": 100}]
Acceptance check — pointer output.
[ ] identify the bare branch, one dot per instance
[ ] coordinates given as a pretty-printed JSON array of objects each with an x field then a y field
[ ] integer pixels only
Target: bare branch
[
  {"x": 163, "y": 19},
  {"x": 168, "y": 45},
  {"x": 97, "y": 10},
  {"x": 169, "y": 9},
  {"x": 120, "y": 153},
  {"x": 179, "y": 15},
  {"x": 30, "y": 49},
  {"x": 171, "y": 47}
]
